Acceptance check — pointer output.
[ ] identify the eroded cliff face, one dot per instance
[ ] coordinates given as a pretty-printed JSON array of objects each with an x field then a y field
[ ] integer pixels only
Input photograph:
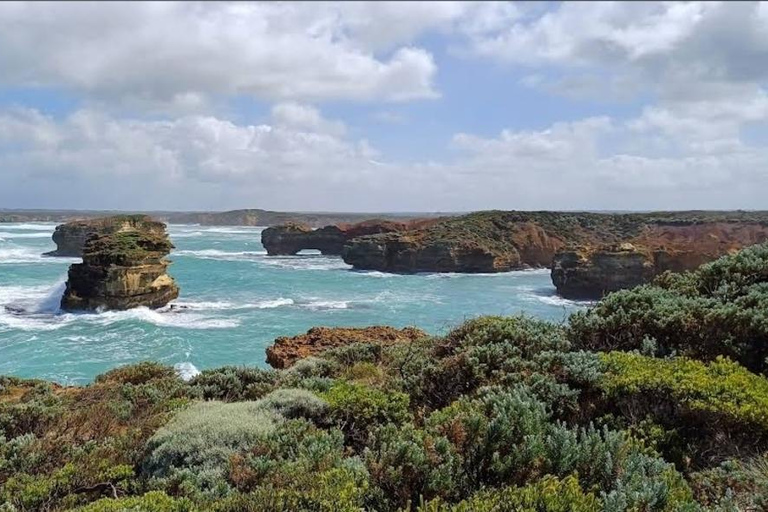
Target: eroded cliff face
[
  {"x": 454, "y": 245},
  {"x": 70, "y": 237},
  {"x": 287, "y": 350},
  {"x": 590, "y": 272},
  {"x": 289, "y": 239},
  {"x": 122, "y": 270}
]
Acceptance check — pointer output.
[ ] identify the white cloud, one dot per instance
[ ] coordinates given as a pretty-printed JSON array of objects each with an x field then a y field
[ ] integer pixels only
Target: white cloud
[
  {"x": 178, "y": 55},
  {"x": 297, "y": 162}
]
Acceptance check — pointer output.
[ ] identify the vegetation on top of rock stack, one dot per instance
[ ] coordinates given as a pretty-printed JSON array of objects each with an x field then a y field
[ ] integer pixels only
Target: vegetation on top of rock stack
[
  {"x": 127, "y": 247},
  {"x": 501, "y": 413}
]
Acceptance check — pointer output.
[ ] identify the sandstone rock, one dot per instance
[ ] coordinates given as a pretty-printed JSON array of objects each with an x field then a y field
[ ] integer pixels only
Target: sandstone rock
[
  {"x": 586, "y": 273},
  {"x": 70, "y": 237},
  {"x": 290, "y": 238},
  {"x": 287, "y": 350},
  {"x": 481, "y": 242},
  {"x": 122, "y": 270},
  {"x": 589, "y": 272},
  {"x": 498, "y": 241}
]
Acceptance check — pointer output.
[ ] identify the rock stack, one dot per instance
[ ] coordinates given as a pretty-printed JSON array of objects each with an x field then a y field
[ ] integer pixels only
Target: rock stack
[
  {"x": 122, "y": 269},
  {"x": 70, "y": 237}
]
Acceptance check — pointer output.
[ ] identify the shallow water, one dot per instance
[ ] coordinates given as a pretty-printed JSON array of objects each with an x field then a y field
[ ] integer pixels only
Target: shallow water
[{"x": 238, "y": 300}]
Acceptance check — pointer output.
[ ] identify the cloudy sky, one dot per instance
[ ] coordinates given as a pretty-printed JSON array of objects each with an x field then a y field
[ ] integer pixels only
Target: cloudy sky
[{"x": 440, "y": 106}]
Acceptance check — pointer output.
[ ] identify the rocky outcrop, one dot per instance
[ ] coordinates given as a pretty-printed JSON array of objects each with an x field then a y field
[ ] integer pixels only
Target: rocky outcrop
[
  {"x": 590, "y": 272},
  {"x": 584, "y": 273},
  {"x": 287, "y": 350},
  {"x": 498, "y": 241},
  {"x": 122, "y": 270},
  {"x": 481, "y": 242},
  {"x": 70, "y": 237},
  {"x": 290, "y": 238}
]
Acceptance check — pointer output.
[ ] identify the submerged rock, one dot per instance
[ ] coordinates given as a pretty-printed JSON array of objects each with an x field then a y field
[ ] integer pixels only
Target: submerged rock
[
  {"x": 289, "y": 239},
  {"x": 122, "y": 270},
  {"x": 70, "y": 237},
  {"x": 287, "y": 350}
]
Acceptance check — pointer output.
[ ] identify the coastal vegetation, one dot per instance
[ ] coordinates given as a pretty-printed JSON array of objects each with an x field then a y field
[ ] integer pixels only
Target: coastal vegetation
[{"x": 656, "y": 399}]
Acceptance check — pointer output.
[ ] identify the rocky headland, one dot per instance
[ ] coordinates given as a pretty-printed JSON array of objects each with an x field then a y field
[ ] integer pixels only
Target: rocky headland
[
  {"x": 589, "y": 253},
  {"x": 70, "y": 237},
  {"x": 287, "y": 350},
  {"x": 122, "y": 269},
  {"x": 290, "y": 238},
  {"x": 590, "y": 272}
]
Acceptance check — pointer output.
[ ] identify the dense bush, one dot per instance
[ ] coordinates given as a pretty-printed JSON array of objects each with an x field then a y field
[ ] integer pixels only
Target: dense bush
[
  {"x": 719, "y": 309},
  {"x": 196, "y": 446},
  {"x": 501, "y": 414},
  {"x": 357, "y": 408},
  {"x": 546, "y": 495}
]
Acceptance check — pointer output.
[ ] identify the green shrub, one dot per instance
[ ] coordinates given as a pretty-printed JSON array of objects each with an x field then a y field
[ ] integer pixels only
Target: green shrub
[
  {"x": 734, "y": 485},
  {"x": 151, "y": 502},
  {"x": 139, "y": 373},
  {"x": 546, "y": 495},
  {"x": 357, "y": 408},
  {"x": 406, "y": 464},
  {"x": 232, "y": 383},
  {"x": 499, "y": 436},
  {"x": 195, "y": 447},
  {"x": 37, "y": 408},
  {"x": 719, "y": 309},
  {"x": 305, "y": 461},
  {"x": 722, "y": 389},
  {"x": 295, "y": 403}
]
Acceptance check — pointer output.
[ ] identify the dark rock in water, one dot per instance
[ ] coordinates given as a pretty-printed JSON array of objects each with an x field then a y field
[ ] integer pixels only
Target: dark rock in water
[
  {"x": 287, "y": 350},
  {"x": 289, "y": 239},
  {"x": 70, "y": 237},
  {"x": 122, "y": 270}
]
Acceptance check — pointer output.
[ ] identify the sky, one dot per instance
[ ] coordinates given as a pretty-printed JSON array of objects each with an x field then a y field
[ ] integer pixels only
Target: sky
[{"x": 384, "y": 106}]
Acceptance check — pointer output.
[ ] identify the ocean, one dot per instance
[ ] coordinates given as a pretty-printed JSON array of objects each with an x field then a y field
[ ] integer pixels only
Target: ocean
[{"x": 237, "y": 301}]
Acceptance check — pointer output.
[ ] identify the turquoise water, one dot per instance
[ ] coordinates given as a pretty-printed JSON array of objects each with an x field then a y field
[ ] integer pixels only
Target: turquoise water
[{"x": 238, "y": 300}]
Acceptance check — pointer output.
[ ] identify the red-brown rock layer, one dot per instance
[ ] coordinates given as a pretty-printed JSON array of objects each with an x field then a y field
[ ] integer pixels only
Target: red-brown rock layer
[{"x": 287, "y": 350}]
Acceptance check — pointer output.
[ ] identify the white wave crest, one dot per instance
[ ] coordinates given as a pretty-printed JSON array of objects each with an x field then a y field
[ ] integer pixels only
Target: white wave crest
[
  {"x": 43, "y": 226},
  {"x": 320, "y": 305},
  {"x": 305, "y": 262},
  {"x": 556, "y": 300},
  {"x": 10, "y": 234},
  {"x": 215, "y": 254},
  {"x": 225, "y": 305},
  {"x": 186, "y": 370}
]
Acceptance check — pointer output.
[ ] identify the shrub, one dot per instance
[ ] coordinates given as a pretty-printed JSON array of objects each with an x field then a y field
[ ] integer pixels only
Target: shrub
[
  {"x": 295, "y": 403},
  {"x": 37, "y": 407},
  {"x": 406, "y": 463},
  {"x": 499, "y": 435},
  {"x": 719, "y": 309},
  {"x": 546, "y": 495},
  {"x": 357, "y": 408},
  {"x": 305, "y": 461},
  {"x": 139, "y": 373},
  {"x": 734, "y": 485},
  {"x": 197, "y": 444},
  {"x": 151, "y": 502},
  {"x": 722, "y": 389},
  {"x": 232, "y": 383}
]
